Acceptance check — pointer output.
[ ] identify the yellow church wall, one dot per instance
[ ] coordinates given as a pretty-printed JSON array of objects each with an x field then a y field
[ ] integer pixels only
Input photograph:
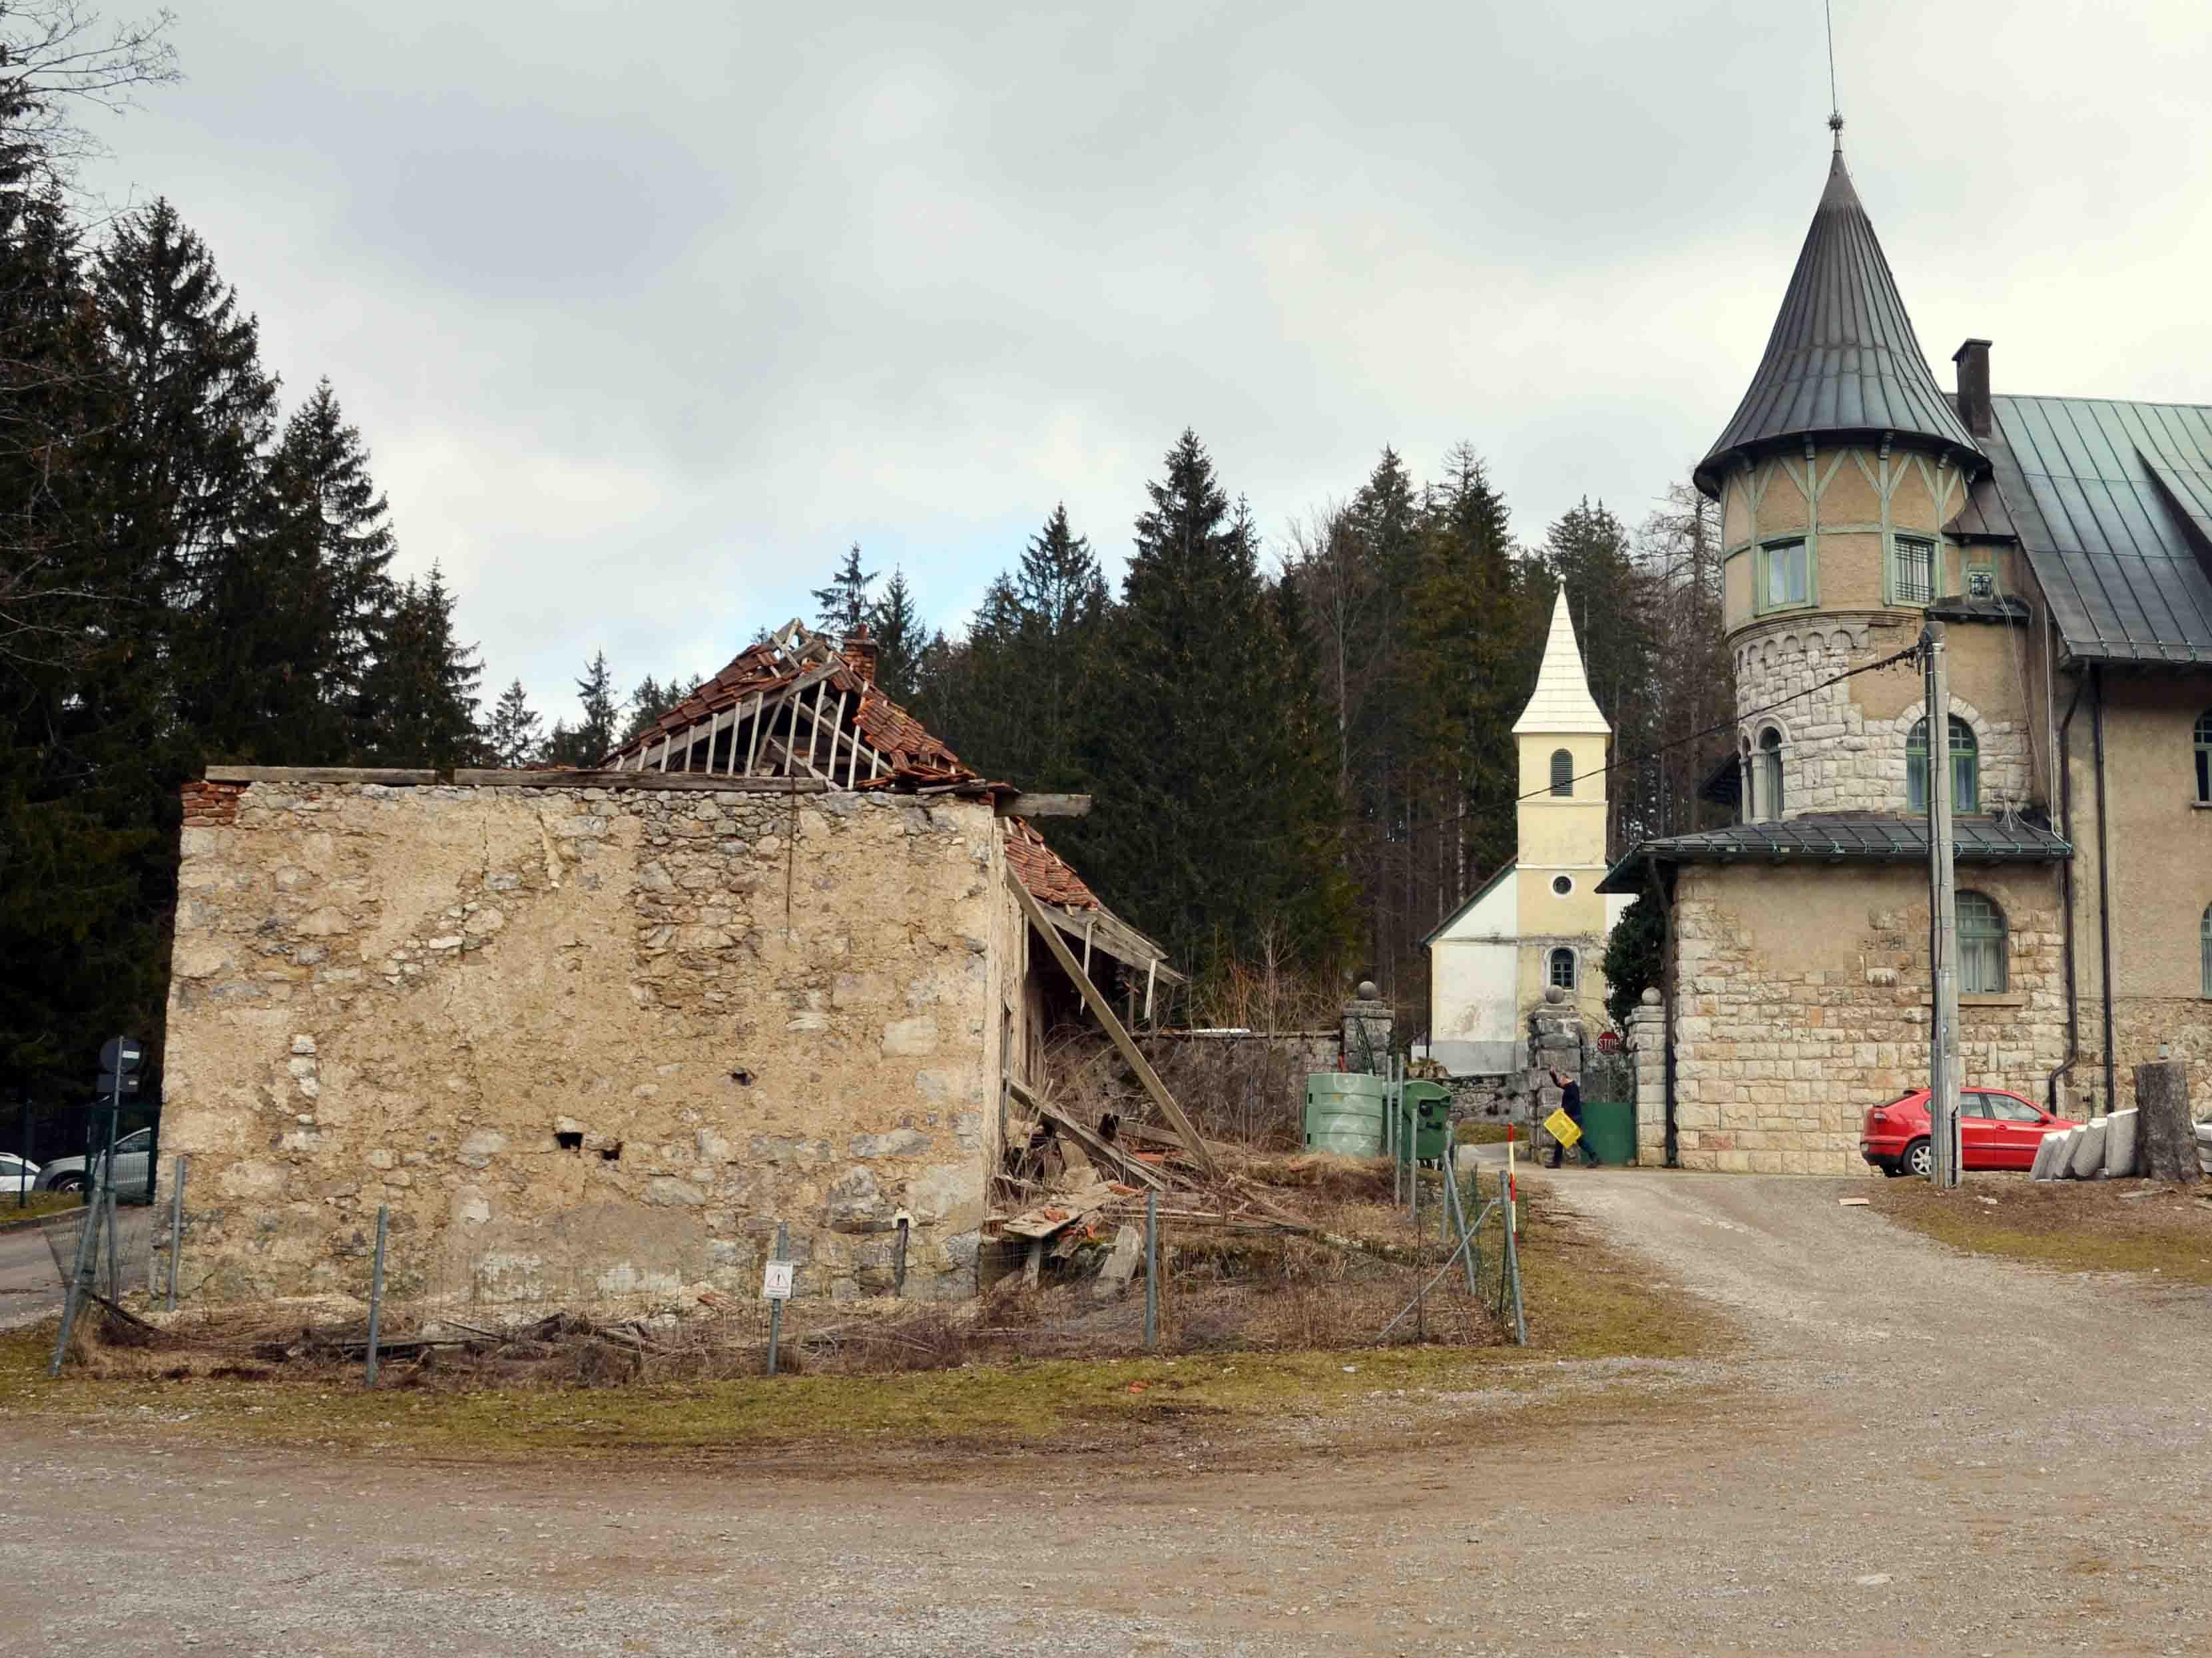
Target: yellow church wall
[{"x": 1587, "y": 749}]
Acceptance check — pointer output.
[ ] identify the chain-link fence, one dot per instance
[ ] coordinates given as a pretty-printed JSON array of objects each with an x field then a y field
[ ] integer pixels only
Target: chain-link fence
[{"x": 1331, "y": 1253}]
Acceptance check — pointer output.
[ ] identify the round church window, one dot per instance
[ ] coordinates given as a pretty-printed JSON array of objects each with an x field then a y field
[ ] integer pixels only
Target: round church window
[{"x": 1562, "y": 884}]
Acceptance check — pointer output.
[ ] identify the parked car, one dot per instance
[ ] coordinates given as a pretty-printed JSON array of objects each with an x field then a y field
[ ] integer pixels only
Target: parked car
[
  {"x": 16, "y": 1175},
  {"x": 132, "y": 1153},
  {"x": 1998, "y": 1129}
]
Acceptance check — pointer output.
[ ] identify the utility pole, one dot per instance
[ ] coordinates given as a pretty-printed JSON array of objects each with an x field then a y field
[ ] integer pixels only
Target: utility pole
[{"x": 1943, "y": 1170}]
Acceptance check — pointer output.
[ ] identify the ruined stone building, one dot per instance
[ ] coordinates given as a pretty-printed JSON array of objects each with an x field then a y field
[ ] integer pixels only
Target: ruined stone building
[
  {"x": 2065, "y": 541},
  {"x": 1540, "y": 923},
  {"x": 593, "y": 1035}
]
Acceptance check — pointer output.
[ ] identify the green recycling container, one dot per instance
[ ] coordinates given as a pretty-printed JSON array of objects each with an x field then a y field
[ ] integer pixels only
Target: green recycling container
[
  {"x": 1344, "y": 1113},
  {"x": 1428, "y": 1110},
  {"x": 1609, "y": 1130}
]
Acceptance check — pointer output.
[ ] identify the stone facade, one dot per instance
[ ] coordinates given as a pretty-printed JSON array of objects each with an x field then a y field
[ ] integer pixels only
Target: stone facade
[
  {"x": 1802, "y": 1000},
  {"x": 1838, "y": 753},
  {"x": 1647, "y": 1048},
  {"x": 588, "y": 1043}
]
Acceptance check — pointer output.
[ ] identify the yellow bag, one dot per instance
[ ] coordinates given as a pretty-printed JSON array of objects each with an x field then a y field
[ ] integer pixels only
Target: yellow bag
[{"x": 1564, "y": 1128}]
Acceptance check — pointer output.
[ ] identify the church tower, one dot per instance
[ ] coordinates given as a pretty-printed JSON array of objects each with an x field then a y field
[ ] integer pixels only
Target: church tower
[{"x": 1563, "y": 742}]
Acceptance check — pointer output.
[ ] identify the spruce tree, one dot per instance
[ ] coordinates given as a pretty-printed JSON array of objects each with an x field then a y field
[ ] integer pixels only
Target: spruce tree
[
  {"x": 424, "y": 684},
  {"x": 588, "y": 742},
  {"x": 901, "y": 638},
  {"x": 511, "y": 737},
  {"x": 841, "y": 606}
]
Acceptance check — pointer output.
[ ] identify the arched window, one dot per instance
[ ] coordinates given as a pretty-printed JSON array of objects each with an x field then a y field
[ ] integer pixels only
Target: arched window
[
  {"x": 2204, "y": 949},
  {"x": 1981, "y": 945},
  {"x": 1966, "y": 767},
  {"x": 2204, "y": 761},
  {"x": 1562, "y": 772},
  {"x": 1770, "y": 773},
  {"x": 1561, "y": 969}
]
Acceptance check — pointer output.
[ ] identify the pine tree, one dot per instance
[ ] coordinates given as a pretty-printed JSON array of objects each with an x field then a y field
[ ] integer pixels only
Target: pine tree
[
  {"x": 592, "y": 739},
  {"x": 511, "y": 738},
  {"x": 901, "y": 638},
  {"x": 424, "y": 684},
  {"x": 842, "y": 604}
]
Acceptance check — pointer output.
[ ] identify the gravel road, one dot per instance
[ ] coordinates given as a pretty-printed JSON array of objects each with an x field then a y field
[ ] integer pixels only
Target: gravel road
[{"x": 1913, "y": 1451}]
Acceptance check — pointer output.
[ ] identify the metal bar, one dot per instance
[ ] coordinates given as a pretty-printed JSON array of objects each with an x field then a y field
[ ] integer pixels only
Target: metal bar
[
  {"x": 176, "y": 1229},
  {"x": 114, "y": 1246},
  {"x": 775, "y": 1307},
  {"x": 1151, "y": 1271},
  {"x": 75, "y": 1301},
  {"x": 376, "y": 1291},
  {"x": 1456, "y": 1211}
]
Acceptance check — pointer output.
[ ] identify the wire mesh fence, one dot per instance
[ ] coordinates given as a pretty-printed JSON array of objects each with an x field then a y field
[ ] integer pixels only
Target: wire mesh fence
[{"x": 1357, "y": 1258}]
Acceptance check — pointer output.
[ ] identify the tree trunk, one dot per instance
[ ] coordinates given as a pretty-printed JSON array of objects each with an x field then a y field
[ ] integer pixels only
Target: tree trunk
[{"x": 2166, "y": 1137}]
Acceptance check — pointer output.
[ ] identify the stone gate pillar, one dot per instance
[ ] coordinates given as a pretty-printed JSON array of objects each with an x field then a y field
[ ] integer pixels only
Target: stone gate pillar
[
  {"x": 1556, "y": 1035},
  {"x": 1367, "y": 1031},
  {"x": 1647, "y": 1041}
]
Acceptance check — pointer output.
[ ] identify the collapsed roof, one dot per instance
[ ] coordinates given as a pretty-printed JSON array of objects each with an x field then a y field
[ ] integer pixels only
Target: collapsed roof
[{"x": 796, "y": 706}]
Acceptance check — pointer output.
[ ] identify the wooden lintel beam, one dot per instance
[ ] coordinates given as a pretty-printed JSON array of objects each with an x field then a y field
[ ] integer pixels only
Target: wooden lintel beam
[
  {"x": 396, "y": 778},
  {"x": 1132, "y": 1055},
  {"x": 1044, "y": 806},
  {"x": 622, "y": 780}
]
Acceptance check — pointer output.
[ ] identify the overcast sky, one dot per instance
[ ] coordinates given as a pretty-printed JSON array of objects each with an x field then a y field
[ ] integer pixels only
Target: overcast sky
[{"x": 647, "y": 312}]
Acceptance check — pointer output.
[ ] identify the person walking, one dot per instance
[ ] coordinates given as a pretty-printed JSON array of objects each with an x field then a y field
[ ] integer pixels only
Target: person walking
[{"x": 1570, "y": 1102}]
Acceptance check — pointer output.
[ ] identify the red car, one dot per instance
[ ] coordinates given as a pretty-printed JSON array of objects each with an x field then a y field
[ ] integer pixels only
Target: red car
[{"x": 1999, "y": 1131}]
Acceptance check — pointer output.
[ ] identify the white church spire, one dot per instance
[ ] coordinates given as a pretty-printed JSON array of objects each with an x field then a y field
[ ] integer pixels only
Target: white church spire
[{"x": 1563, "y": 705}]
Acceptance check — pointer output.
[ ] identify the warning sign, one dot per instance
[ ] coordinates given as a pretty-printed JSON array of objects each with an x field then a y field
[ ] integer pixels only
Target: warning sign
[
  {"x": 1564, "y": 1128},
  {"x": 776, "y": 1285}
]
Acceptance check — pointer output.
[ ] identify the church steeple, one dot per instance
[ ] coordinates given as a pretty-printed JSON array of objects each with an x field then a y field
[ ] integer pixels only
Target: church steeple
[
  {"x": 1842, "y": 361},
  {"x": 1562, "y": 705}
]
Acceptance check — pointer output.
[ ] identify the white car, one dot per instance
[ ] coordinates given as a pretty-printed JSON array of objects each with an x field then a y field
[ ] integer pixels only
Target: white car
[
  {"x": 132, "y": 1153},
  {"x": 17, "y": 1175}
]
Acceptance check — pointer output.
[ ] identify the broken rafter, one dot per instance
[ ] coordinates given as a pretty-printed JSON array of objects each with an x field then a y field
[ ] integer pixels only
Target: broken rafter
[
  {"x": 1090, "y": 1141},
  {"x": 1103, "y": 1012}
]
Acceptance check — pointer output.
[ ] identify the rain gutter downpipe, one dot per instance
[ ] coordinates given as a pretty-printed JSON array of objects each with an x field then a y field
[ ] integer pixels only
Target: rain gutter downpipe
[
  {"x": 2065, "y": 769},
  {"x": 2104, "y": 890}
]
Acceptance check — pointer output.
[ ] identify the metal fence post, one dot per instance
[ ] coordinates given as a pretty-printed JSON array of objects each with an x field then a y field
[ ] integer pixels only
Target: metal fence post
[
  {"x": 1152, "y": 1270},
  {"x": 775, "y": 1305},
  {"x": 376, "y": 1291},
  {"x": 176, "y": 1229},
  {"x": 87, "y": 1243}
]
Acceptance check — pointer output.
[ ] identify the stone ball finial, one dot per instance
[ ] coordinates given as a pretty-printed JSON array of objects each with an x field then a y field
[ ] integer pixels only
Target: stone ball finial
[
  {"x": 1650, "y": 996},
  {"x": 1553, "y": 994},
  {"x": 1369, "y": 990}
]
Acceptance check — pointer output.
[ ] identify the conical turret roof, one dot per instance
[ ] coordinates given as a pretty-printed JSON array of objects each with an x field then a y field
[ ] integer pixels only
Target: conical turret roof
[
  {"x": 1843, "y": 359},
  {"x": 1563, "y": 705}
]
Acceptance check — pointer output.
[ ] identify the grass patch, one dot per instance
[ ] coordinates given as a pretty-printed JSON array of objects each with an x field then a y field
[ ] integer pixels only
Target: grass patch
[
  {"x": 1487, "y": 1133},
  {"x": 1585, "y": 1298},
  {"x": 41, "y": 1205},
  {"x": 2080, "y": 1226}
]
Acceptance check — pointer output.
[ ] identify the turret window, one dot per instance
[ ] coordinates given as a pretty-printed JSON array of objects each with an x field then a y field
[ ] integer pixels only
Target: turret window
[
  {"x": 1768, "y": 773},
  {"x": 1562, "y": 772},
  {"x": 1966, "y": 767},
  {"x": 1785, "y": 574},
  {"x": 2204, "y": 759},
  {"x": 1912, "y": 571}
]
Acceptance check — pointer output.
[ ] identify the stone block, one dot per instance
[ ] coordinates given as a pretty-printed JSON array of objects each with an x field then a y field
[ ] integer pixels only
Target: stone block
[{"x": 2085, "y": 1157}]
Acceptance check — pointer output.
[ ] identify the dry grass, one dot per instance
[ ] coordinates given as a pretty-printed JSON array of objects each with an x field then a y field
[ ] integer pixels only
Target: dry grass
[
  {"x": 40, "y": 1205},
  {"x": 1268, "y": 1327},
  {"x": 2100, "y": 1226}
]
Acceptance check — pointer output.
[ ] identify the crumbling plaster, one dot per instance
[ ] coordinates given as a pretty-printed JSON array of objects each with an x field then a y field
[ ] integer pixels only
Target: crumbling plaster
[{"x": 584, "y": 1043}]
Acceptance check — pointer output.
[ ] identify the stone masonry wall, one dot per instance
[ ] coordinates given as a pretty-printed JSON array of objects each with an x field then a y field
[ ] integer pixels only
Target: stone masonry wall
[
  {"x": 1835, "y": 757},
  {"x": 1802, "y": 999},
  {"x": 586, "y": 1044}
]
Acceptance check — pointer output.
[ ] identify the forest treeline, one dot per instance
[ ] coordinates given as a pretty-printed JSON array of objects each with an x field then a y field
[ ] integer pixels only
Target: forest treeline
[{"x": 1299, "y": 748}]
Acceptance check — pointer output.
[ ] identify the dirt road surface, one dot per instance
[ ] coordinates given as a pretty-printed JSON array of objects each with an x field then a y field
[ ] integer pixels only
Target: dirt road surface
[
  {"x": 1914, "y": 1451},
  {"x": 30, "y": 1287}
]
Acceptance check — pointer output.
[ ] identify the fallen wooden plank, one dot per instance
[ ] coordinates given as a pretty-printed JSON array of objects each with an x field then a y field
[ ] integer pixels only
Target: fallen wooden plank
[
  {"x": 1101, "y": 1009},
  {"x": 396, "y": 777},
  {"x": 1114, "y": 1155}
]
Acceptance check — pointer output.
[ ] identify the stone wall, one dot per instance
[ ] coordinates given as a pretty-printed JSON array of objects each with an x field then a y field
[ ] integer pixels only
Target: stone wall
[
  {"x": 584, "y": 1043},
  {"x": 1802, "y": 999},
  {"x": 1841, "y": 750},
  {"x": 1647, "y": 1047}
]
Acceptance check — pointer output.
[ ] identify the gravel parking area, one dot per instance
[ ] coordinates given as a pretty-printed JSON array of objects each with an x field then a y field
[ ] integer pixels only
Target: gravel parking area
[{"x": 1914, "y": 1450}]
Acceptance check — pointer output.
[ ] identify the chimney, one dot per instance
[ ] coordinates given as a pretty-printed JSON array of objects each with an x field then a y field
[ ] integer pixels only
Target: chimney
[
  {"x": 859, "y": 651},
  {"x": 1973, "y": 360}
]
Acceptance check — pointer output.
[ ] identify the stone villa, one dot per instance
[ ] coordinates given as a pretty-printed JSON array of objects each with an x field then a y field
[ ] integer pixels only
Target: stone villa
[{"x": 2066, "y": 543}]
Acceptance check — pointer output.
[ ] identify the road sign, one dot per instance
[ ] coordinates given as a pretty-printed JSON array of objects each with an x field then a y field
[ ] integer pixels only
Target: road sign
[
  {"x": 124, "y": 1053},
  {"x": 776, "y": 1285},
  {"x": 111, "y": 1086}
]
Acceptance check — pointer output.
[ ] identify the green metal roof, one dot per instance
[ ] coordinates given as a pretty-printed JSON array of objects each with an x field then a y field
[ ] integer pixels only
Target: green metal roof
[
  {"x": 1843, "y": 359},
  {"x": 1842, "y": 838}
]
